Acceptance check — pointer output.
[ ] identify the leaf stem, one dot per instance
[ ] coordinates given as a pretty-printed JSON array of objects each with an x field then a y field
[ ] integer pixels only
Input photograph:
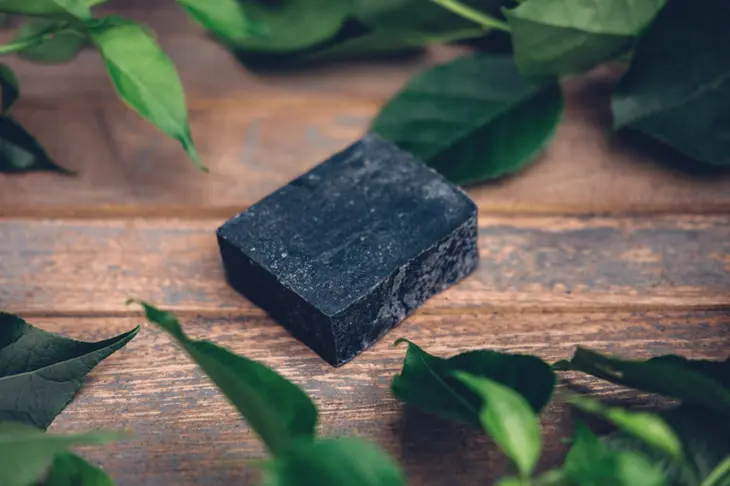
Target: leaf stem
[
  {"x": 718, "y": 474},
  {"x": 22, "y": 44},
  {"x": 474, "y": 15}
]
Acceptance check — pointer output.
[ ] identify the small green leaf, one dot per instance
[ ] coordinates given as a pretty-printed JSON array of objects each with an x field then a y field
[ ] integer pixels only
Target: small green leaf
[
  {"x": 592, "y": 463},
  {"x": 472, "y": 119},
  {"x": 427, "y": 381},
  {"x": 278, "y": 410},
  {"x": 47, "y": 8},
  {"x": 68, "y": 469},
  {"x": 701, "y": 382},
  {"x": 226, "y": 19},
  {"x": 553, "y": 37},
  {"x": 292, "y": 25},
  {"x": 26, "y": 452},
  {"x": 144, "y": 77},
  {"x": 649, "y": 427},
  {"x": 509, "y": 419},
  {"x": 41, "y": 372},
  {"x": 9, "y": 85},
  {"x": 705, "y": 439},
  {"x": 329, "y": 462},
  {"x": 64, "y": 46},
  {"x": 677, "y": 88},
  {"x": 21, "y": 152}
]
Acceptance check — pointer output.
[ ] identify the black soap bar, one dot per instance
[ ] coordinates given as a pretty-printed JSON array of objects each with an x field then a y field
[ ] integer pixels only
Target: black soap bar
[{"x": 343, "y": 253}]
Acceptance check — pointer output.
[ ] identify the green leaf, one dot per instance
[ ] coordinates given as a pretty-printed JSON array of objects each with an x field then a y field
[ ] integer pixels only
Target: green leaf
[
  {"x": 591, "y": 463},
  {"x": 68, "y": 469},
  {"x": 21, "y": 152},
  {"x": 509, "y": 419},
  {"x": 47, "y": 8},
  {"x": 649, "y": 427},
  {"x": 329, "y": 462},
  {"x": 427, "y": 381},
  {"x": 226, "y": 19},
  {"x": 472, "y": 119},
  {"x": 26, "y": 452},
  {"x": 64, "y": 46},
  {"x": 144, "y": 77},
  {"x": 9, "y": 84},
  {"x": 677, "y": 88},
  {"x": 702, "y": 382},
  {"x": 278, "y": 410},
  {"x": 292, "y": 25},
  {"x": 705, "y": 439},
  {"x": 566, "y": 36},
  {"x": 41, "y": 372}
]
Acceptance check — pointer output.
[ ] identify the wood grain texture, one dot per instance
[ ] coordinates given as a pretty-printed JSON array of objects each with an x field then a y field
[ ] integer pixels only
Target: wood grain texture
[
  {"x": 188, "y": 434},
  {"x": 257, "y": 129},
  {"x": 527, "y": 263}
]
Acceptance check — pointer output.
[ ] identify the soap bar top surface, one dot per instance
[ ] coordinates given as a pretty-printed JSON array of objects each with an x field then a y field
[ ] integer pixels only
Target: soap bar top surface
[{"x": 334, "y": 233}]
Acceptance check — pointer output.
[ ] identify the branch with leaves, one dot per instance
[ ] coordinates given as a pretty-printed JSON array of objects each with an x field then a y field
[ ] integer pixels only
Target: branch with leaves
[
  {"x": 143, "y": 75},
  {"x": 500, "y": 393}
]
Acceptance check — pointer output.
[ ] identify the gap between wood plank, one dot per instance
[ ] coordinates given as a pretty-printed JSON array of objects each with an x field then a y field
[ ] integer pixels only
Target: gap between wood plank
[{"x": 125, "y": 212}]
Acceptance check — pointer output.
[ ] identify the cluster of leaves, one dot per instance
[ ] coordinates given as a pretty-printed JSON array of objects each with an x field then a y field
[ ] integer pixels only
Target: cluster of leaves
[
  {"x": 41, "y": 372},
  {"x": 503, "y": 394},
  {"x": 488, "y": 115},
  {"x": 688, "y": 445},
  {"x": 143, "y": 76}
]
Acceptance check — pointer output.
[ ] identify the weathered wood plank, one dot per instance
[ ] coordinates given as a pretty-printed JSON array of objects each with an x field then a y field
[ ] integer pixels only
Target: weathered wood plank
[
  {"x": 527, "y": 263},
  {"x": 186, "y": 433},
  {"x": 259, "y": 129}
]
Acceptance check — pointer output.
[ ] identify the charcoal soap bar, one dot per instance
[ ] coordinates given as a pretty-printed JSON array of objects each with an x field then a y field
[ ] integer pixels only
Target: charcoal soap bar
[{"x": 343, "y": 253}]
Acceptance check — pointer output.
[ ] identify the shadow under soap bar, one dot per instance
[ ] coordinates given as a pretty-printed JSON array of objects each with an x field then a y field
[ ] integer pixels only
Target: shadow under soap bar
[{"x": 343, "y": 253}]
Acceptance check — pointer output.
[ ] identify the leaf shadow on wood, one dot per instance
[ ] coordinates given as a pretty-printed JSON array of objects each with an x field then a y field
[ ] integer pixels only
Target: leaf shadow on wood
[
  {"x": 442, "y": 451},
  {"x": 654, "y": 152}
]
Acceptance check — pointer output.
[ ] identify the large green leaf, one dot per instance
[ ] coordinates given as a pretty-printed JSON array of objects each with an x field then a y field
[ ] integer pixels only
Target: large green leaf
[
  {"x": 591, "y": 463},
  {"x": 55, "y": 8},
  {"x": 427, "y": 381},
  {"x": 20, "y": 151},
  {"x": 26, "y": 452},
  {"x": 62, "y": 47},
  {"x": 41, "y": 372},
  {"x": 68, "y": 469},
  {"x": 565, "y": 36},
  {"x": 677, "y": 88},
  {"x": 648, "y": 427},
  {"x": 226, "y": 19},
  {"x": 144, "y": 77},
  {"x": 705, "y": 439},
  {"x": 509, "y": 419},
  {"x": 277, "y": 409},
  {"x": 702, "y": 382},
  {"x": 292, "y": 25},
  {"x": 329, "y": 462},
  {"x": 9, "y": 86},
  {"x": 472, "y": 119}
]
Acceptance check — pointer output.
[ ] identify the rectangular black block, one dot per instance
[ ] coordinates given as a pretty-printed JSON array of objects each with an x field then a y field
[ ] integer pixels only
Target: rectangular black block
[{"x": 343, "y": 253}]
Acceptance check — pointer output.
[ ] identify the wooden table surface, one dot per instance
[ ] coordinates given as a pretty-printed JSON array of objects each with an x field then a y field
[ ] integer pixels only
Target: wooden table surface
[{"x": 602, "y": 243}]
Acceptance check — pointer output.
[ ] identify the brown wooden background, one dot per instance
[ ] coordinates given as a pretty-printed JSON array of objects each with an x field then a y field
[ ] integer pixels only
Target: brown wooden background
[{"x": 602, "y": 243}]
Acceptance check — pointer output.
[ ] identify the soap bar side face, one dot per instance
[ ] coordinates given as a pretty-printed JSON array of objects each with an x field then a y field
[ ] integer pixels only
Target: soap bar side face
[
  {"x": 442, "y": 265},
  {"x": 299, "y": 317}
]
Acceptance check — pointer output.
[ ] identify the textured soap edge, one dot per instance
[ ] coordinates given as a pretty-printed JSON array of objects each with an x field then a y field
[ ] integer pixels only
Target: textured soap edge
[{"x": 409, "y": 287}]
